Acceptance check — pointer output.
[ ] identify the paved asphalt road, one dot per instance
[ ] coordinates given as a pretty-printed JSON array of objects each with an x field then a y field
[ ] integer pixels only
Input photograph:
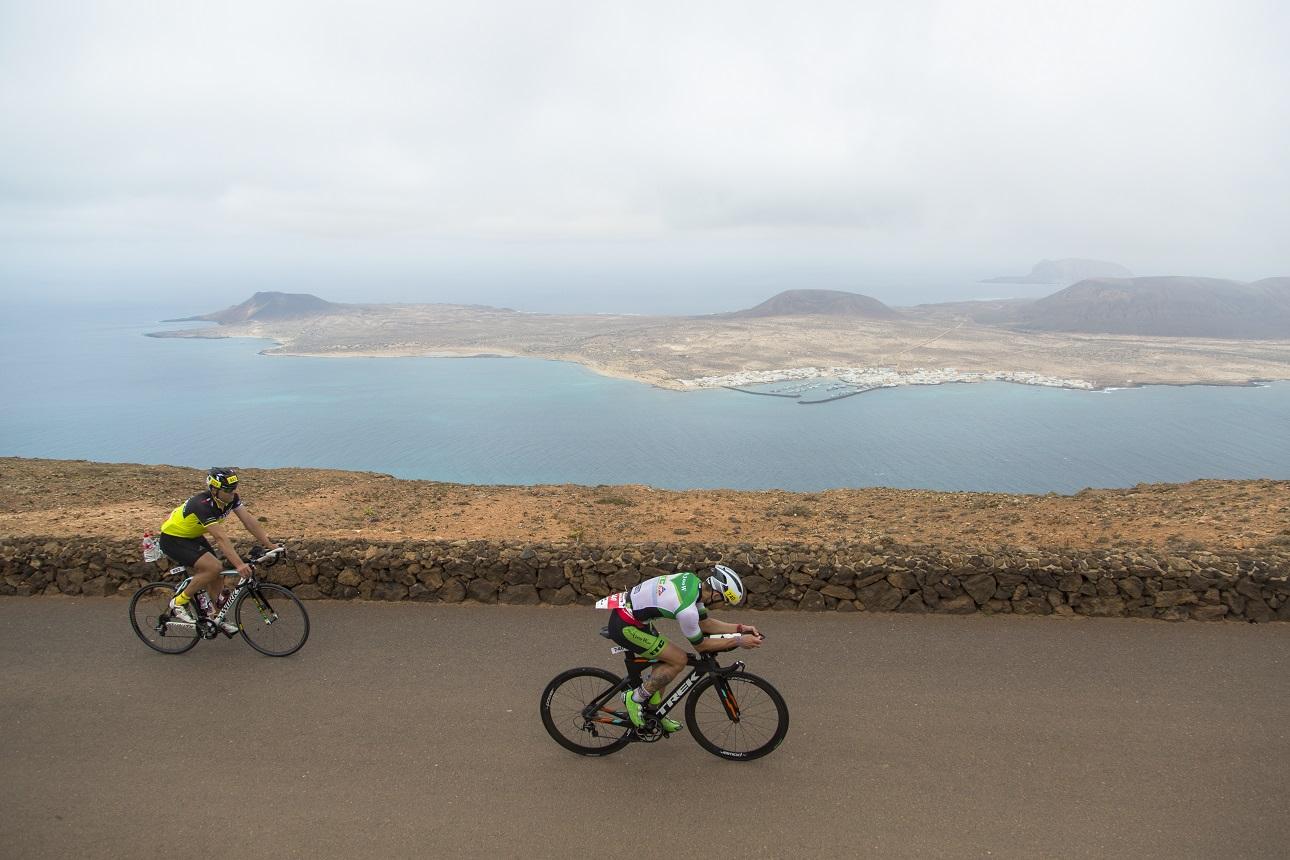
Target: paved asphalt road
[{"x": 405, "y": 730}]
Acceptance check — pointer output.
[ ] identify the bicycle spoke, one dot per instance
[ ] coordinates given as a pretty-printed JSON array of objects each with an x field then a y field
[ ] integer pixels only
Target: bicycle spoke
[
  {"x": 149, "y": 610},
  {"x": 739, "y": 717},
  {"x": 564, "y": 706},
  {"x": 273, "y": 620}
]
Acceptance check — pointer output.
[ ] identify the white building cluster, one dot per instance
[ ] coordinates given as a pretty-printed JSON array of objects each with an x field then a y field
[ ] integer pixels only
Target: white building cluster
[{"x": 882, "y": 377}]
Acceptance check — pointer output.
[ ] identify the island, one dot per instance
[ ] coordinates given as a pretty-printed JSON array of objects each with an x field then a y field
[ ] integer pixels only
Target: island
[
  {"x": 816, "y": 334},
  {"x": 1067, "y": 271}
]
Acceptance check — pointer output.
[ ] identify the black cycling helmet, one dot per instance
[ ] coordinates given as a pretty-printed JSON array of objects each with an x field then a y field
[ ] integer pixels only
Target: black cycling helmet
[{"x": 222, "y": 478}]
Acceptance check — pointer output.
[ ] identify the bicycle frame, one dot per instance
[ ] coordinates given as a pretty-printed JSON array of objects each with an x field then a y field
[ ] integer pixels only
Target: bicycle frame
[
  {"x": 704, "y": 665},
  {"x": 209, "y": 627}
]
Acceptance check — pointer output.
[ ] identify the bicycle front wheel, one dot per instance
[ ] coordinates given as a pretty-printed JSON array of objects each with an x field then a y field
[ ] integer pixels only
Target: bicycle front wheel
[
  {"x": 273, "y": 620},
  {"x": 150, "y": 618},
  {"x": 578, "y": 711},
  {"x": 738, "y": 716}
]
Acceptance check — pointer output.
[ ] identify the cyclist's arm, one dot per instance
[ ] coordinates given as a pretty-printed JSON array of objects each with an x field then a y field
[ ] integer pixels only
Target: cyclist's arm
[
  {"x": 743, "y": 638},
  {"x": 708, "y": 645},
  {"x": 225, "y": 544},
  {"x": 254, "y": 527},
  {"x": 711, "y": 625},
  {"x": 713, "y": 646}
]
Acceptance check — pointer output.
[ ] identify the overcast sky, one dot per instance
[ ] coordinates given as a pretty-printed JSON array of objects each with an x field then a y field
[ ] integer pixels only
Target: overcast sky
[{"x": 542, "y": 154}]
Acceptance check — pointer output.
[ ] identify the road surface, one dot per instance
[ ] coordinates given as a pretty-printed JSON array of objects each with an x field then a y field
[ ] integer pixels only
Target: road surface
[{"x": 406, "y": 730}]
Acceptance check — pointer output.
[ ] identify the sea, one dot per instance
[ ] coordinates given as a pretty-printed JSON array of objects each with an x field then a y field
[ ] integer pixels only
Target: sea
[{"x": 81, "y": 381}]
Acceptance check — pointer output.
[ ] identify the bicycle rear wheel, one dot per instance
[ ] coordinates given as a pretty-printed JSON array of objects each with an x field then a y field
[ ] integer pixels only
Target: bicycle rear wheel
[
  {"x": 273, "y": 620},
  {"x": 150, "y": 618},
  {"x": 738, "y": 716},
  {"x": 579, "y": 712}
]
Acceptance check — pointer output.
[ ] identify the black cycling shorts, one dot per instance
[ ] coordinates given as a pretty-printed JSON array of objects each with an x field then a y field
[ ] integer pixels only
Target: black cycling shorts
[
  {"x": 184, "y": 551},
  {"x": 641, "y": 641}
]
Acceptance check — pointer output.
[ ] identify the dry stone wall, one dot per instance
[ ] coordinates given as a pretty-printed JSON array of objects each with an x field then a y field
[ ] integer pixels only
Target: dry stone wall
[{"x": 1252, "y": 585}]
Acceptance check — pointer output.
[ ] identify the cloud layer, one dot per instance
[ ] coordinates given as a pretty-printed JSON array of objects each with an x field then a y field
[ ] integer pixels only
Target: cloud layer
[{"x": 141, "y": 137}]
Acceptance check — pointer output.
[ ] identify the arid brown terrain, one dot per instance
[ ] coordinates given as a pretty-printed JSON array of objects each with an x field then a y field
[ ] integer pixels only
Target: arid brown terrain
[{"x": 60, "y": 497}]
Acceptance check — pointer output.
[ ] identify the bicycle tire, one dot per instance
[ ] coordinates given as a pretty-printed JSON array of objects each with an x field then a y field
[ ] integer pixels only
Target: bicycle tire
[
  {"x": 759, "y": 722},
  {"x": 271, "y": 606},
  {"x": 149, "y": 605},
  {"x": 563, "y": 702}
]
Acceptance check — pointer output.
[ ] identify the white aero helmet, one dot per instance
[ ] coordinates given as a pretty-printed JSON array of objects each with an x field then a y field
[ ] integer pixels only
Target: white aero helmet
[{"x": 727, "y": 583}]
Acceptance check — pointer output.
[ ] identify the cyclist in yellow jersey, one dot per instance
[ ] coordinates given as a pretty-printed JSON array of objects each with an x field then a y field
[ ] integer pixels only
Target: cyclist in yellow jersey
[{"x": 183, "y": 538}]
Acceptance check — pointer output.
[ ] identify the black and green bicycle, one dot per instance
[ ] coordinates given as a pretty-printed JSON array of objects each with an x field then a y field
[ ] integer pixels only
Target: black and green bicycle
[{"x": 730, "y": 712}]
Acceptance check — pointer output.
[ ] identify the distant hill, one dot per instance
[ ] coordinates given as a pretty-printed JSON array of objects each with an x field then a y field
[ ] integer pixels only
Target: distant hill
[
  {"x": 836, "y": 303},
  {"x": 994, "y": 312},
  {"x": 270, "y": 306},
  {"x": 1165, "y": 306},
  {"x": 1065, "y": 272}
]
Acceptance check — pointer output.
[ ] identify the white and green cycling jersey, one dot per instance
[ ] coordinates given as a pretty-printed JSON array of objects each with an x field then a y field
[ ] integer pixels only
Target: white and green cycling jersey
[{"x": 675, "y": 597}]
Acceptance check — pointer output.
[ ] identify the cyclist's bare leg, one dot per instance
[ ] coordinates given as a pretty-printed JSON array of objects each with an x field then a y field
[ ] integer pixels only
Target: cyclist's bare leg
[
  {"x": 205, "y": 571},
  {"x": 671, "y": 661}
]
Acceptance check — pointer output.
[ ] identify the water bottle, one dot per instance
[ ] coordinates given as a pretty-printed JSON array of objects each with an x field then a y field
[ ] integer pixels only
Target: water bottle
[
  {"x": 151, "y": 547},
  {"x": 204, "y": 601},
  {"x": 222, "y": 599}
]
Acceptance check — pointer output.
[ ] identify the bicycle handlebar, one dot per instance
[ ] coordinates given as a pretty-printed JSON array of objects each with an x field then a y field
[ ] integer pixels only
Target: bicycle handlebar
[
  {"x": 274, "y": 555},
  {"x": 711, "y": 663},
  {"x": 264, "y": 559},
  {"x": 267, "y": 558}
]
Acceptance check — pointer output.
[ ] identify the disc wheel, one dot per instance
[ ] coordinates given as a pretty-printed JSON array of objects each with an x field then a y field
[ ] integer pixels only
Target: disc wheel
[
  {"x": 273, "y": 620},
  {"x": 565, "y": 702},
  {"x": 739, "y": 716},
  {"x": 150, "y": 618}
]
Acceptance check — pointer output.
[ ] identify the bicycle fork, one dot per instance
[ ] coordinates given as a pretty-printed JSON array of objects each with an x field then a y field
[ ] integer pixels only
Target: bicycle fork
[
  {"x": 262, "y": 605},
  {"x": 728, "y": 700}
]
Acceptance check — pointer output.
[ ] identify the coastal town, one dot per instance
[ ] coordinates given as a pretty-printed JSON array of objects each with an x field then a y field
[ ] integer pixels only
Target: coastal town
[{"x": 860, "y": 379}]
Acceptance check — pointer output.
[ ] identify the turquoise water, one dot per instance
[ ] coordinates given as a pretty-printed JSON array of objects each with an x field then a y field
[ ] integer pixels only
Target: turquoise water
[{"x": 83, "y": 383}]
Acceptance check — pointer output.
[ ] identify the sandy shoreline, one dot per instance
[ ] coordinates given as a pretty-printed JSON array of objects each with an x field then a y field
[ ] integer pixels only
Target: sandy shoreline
[
  {"x": 682, "y": 385},
  {"x": 670, "y": 385}
]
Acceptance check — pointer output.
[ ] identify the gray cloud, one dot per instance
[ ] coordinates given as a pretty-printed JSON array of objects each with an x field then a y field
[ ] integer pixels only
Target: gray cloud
[{"x": 432, "y": 137}]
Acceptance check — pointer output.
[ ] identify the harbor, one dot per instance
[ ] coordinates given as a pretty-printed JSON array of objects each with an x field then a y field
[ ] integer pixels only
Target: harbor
[{"x": 815, "y": 385}]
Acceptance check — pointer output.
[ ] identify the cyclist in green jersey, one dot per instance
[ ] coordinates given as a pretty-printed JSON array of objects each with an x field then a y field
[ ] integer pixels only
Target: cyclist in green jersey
[
  {"x": 183, "y": 538},
  {"x": 682, "y": 597}
]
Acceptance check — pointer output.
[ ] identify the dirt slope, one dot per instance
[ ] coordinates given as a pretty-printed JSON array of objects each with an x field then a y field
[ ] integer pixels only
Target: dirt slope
[{"x": 59, "y": 497}]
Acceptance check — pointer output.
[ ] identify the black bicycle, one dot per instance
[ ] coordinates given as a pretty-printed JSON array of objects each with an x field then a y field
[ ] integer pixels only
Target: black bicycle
[
  {"x": 269, "y": 617},
  {"x": 731, "y": 713}
]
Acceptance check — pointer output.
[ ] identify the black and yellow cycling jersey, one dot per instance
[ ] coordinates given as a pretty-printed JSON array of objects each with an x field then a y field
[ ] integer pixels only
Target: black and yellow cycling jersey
[{"x": 193, "y": 517}]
